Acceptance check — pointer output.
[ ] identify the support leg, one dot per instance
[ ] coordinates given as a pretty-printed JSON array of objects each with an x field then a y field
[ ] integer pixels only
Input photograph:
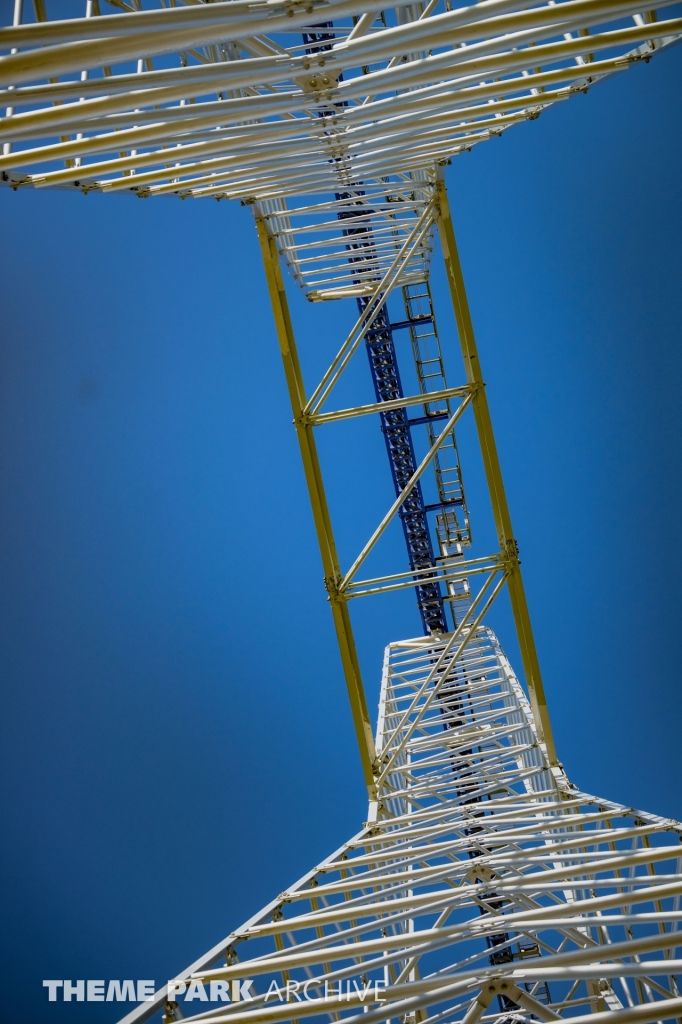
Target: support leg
[
  {"x": 318, "y": 500},
  {"x": 493, "y": 472}
]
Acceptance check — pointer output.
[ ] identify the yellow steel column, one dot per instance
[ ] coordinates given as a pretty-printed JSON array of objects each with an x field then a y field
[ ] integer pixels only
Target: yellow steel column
[
  {"x": 318, "y": 500},
  {"x": 493, "y": 472}
]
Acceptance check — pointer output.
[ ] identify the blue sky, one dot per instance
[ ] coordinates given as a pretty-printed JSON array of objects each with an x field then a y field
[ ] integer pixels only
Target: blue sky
[{"x": 176, "y": 742}]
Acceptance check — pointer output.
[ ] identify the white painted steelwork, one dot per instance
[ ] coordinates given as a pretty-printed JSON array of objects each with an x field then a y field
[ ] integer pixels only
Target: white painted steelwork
[
  {"x": 481, "y": 873},
  {"x": 226, "y": 100},
  {"x": 484, "y": 886}
]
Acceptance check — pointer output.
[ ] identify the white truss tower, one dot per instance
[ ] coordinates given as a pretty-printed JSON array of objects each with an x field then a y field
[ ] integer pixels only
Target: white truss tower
[{"x": 483, "y": 886}]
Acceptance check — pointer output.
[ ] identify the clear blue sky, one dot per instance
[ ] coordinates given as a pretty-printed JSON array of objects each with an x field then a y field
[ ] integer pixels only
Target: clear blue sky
[{"x": 176, "y": 743}]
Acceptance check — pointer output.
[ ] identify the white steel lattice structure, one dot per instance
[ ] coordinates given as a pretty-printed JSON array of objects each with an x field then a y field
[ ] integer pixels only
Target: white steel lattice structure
[
  {"x": 484, "y": 886},
  {"x": 272, "y": 101}
]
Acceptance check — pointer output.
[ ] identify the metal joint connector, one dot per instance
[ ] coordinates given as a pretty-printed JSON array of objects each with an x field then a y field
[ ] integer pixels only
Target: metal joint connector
[
  {"x": 513, "y": 553},
  {"x": 169, "y": 1016}
]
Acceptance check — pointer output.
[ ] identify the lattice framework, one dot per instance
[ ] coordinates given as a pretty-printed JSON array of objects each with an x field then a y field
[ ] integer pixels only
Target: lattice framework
[{"x": 484, "y": 886}]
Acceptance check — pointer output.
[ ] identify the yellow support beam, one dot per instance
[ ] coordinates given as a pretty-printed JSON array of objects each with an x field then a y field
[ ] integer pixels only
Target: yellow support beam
[
  {"x": 493, "y": 472},
  {"x": 318, "y": 501}
]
